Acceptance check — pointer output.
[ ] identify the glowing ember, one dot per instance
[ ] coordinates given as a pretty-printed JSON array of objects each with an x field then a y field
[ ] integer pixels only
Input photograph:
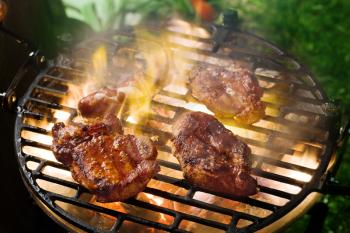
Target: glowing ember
[{"x": 61, "y": 115}]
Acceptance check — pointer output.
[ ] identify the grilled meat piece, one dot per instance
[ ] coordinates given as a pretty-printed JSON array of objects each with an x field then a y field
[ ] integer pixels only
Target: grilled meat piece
[
  {"x": 228, "y": 91},
  {"x": 67, "y": 137},
  {"x": 101, "y": 103},
  {"x": 111, "y": 165},
  {"x": 211, "y": 156},
  {"x": 114, "y": 168},
  {"x": 100, "y": 107}
]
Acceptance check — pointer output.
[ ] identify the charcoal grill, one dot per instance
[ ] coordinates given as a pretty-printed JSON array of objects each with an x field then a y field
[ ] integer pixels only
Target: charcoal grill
[{"x": 293, "y": 145}]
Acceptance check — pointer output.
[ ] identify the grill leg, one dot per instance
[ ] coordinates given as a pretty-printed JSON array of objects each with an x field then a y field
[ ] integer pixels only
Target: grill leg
[{"x": 318, "y": 215}]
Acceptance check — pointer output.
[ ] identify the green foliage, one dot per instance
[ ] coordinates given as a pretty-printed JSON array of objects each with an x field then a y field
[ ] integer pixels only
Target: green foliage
[
  {"x": 99, "y": 15},
  {"x": 111, "y": 14}
]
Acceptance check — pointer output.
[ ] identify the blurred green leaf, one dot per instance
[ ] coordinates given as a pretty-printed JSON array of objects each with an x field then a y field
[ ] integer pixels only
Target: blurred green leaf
[{"x": 90, "y": 16}]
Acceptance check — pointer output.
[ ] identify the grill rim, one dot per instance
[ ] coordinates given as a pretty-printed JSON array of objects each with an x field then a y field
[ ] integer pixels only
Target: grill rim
[{"x": 321, "y": 170}]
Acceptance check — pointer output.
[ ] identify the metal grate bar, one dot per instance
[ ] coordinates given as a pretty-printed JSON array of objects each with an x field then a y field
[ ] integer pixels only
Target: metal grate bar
[
  {"x": 50, "y": 90},
  {"x": 58, "y": 79},
  {"x": 56, "y": 180},
  {"x": 117, "y": 224},
  {"x": 287, "y": 82},
  {"x": 276, "y": 177},
  {"x": 135, "y": 219},
  {"x": 290, "y": 109},
  {"x": 190, "y": 202},
  {"x": 276, "y": 192},
  {"x": 29, "y": 142},
  {"x": 168, "y": 179},
  {"x": 169, "y": 164},
  {"x": 291, "y": 98},
  {"x": 171, "y": 180},
  {"x": 36, "y": 129},
  {"x": 115, "y": 213},
  {"x": 37, "y": 116},
  {"x": 51, "y": 105},
  {"x": 299, "y": 126},
  {"x": 264, "y": 205},
  {"x": 184, "y": 215},
  {"x": 196, "y": 203},
  {"x": 280, "y": 163}
]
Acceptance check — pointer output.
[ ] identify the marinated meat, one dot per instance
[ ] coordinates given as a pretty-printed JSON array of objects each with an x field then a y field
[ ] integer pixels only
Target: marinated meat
[
  {"x": 211, "y": 156},
  {"x": 230, "y": 91},
  {"x": 111, "y": 165},
  {"x": 101, "y": 106},
  {"x": 101, "y": 103},
  {"x": 67, "y": 137}
]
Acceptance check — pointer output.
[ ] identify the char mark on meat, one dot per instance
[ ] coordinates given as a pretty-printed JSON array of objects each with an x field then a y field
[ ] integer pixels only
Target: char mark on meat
[
  {"x": 211, "y": 156},
  {"x": 230, "y": 91},
  {"x": 113, "y": 166}
]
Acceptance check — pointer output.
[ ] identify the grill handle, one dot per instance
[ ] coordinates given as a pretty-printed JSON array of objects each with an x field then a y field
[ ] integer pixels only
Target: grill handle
[
  {"x": 20, "y": 40},
  {"x": 331, "y": 185},
  {"x": 8, "y": 99}
]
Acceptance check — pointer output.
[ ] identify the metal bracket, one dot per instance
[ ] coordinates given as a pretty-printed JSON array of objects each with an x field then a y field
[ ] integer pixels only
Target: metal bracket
[
  {"x": 9, "y": 98},
  {"x": 341, "y": 132},
  {"x": 341, "y": 119},
  {"x": 221, "y": 32}
]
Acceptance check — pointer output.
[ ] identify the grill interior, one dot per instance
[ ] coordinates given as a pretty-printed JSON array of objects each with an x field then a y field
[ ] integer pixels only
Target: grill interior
[{"x": 291, "y": 146}]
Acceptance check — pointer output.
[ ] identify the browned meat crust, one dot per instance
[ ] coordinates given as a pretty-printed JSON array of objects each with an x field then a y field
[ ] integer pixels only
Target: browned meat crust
[
  {"x": 112, "y": 166},
  {"x": 67, "y": 137},
  {"x": 115, "y": 168},
  {"x": 211, "y": 157},
  {"x": 101, "y": 103},
  {"x": 228, "y": 91}
]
